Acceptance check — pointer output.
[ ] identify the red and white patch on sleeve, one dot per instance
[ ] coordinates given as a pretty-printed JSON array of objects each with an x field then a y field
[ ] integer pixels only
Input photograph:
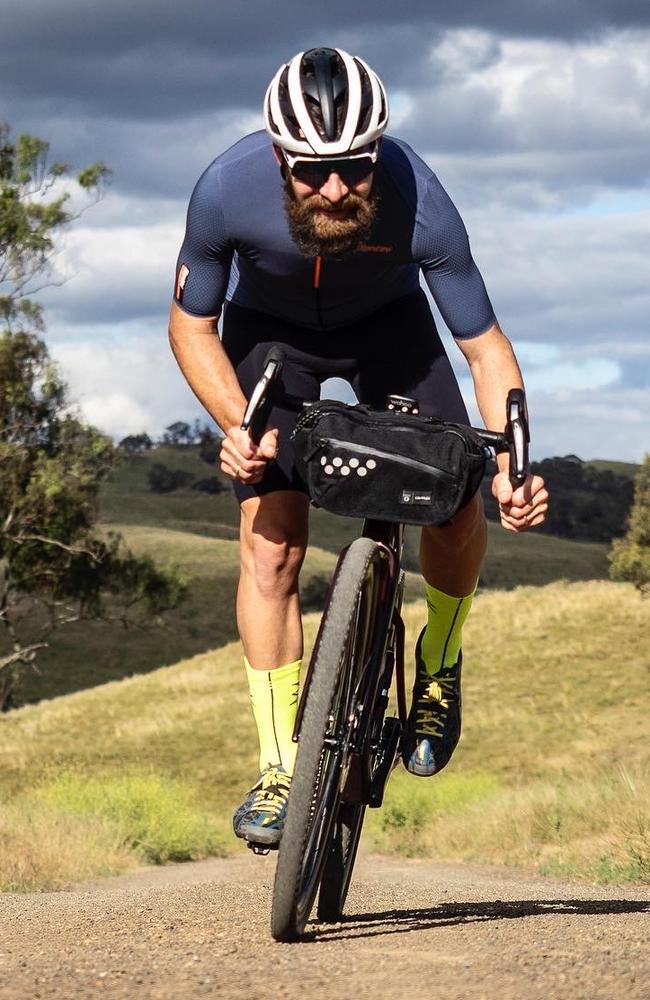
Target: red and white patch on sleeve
[{"x": 181, "y": 278}]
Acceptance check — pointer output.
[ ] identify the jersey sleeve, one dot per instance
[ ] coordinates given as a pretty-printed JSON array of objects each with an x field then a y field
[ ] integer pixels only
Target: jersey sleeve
[
  {"x": 441, "y": 248},
  {"x": 205, "y": 258}
]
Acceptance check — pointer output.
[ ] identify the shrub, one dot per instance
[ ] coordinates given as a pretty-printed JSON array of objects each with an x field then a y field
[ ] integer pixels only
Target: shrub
[
  {"x": 211, "y": 485},
  {"x": 153, "y": 816},
  {"x": 164, "y": 480},
  {"x": 630, "y": 556}
]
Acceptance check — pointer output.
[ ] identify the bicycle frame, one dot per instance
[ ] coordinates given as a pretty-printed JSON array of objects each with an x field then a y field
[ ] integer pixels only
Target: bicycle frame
[{"x": 363, "y": 785}]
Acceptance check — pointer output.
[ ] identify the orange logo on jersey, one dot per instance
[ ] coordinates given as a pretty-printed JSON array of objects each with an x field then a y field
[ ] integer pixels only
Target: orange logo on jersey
[
  {"x": 377, "y": 248},
  {"x": 181, "y": 278}
]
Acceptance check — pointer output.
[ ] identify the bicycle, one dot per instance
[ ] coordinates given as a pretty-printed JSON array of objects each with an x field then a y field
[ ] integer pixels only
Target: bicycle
[{"x": 347, "y": 745}]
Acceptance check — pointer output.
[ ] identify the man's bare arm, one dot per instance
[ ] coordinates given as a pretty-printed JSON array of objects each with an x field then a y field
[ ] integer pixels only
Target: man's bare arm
[
  {"x": 210, "y": 375},
  {"x": 205, "y": 365},
  {"x": 495, "y": 370}
]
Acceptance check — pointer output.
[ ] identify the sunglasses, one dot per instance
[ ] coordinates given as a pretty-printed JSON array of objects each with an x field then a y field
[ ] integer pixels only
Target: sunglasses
[{"x": 314, "y": 173}]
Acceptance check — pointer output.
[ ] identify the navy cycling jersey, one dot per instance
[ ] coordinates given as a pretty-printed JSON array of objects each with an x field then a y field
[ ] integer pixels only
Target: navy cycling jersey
[{"x": 238, "y": 248}]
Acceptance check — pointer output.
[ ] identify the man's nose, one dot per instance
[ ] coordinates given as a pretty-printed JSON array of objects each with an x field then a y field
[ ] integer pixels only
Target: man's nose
[{"x": 334, "y": 189}]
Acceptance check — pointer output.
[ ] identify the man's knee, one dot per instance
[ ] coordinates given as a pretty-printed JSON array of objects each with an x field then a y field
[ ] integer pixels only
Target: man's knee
[{"x": 274, "y": 533}]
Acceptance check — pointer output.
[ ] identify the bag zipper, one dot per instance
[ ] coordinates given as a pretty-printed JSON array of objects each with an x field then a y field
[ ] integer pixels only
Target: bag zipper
[{"x": 312, "y": 415}]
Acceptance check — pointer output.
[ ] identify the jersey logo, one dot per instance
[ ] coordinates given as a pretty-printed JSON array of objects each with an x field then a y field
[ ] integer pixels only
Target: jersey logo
[
  {"x": 181, "y": 278},
  {"x": 376, "y": 248}
]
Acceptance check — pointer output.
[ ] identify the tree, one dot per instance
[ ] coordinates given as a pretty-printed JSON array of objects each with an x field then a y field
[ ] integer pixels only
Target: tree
[
  {"x": 36, "y": 203},
  {"x": 211, "y": 485},
  {"x": 55, "y": 567},
  {"x": 630, "y": 556},
  {"x": 133, "y": 444},
  {"x": 178, "y": 434},
  {"x": 209, "y": 445}
]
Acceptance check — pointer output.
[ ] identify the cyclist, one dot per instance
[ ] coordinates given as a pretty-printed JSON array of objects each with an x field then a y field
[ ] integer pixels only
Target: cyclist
[{"x": 314, "y": 234}]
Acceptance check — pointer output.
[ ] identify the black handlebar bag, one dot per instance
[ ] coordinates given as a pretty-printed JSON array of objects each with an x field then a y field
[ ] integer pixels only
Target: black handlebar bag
[{"x": 389, "y": 466}]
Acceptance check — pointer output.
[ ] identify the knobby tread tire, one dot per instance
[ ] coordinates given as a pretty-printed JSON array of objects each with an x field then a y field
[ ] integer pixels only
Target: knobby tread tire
[{"x": 338, "y": 618}]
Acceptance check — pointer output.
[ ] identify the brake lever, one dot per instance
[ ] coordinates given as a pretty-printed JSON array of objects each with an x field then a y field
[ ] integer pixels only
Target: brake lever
[
  {"x": 517, "y": 435},
  {"x": 259, "y": 400}
]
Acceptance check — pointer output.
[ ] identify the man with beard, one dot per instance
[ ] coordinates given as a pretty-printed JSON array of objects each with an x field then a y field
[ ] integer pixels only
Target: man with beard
[{"x": 314, "y": 233}]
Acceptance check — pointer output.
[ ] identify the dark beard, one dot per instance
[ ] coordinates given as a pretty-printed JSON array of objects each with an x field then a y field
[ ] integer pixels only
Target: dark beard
[{"x": 316, "y": 235}]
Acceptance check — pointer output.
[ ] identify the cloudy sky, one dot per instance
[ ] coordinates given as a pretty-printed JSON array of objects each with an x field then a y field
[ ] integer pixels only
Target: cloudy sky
[{"x": 535, "y": 116}]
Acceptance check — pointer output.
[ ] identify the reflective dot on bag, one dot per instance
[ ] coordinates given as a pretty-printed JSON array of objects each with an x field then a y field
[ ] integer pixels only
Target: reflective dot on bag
[
  {"x": 345, "y": 471},
  {"x": 329, "y": 469},
  {"x": 323, "y": 460},
  {"x": 338, "y": 462},
  {"x": 371, "y": 464},
  {"x": 362, "y": 471},
  {"x": 354, "y": 462}
]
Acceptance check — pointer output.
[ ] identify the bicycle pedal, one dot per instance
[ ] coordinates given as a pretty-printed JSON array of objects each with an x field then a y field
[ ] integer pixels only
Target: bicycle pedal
[{"x": 260, "y": 849}]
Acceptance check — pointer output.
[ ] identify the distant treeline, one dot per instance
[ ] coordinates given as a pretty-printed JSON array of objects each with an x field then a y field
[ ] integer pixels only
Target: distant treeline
[
  {"x": 587, "y": 503},
  {"x": 178, "y": 435}
]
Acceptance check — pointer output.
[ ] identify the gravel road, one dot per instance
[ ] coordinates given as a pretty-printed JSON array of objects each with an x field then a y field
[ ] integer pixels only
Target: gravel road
[{"x": 414, "y": 929}]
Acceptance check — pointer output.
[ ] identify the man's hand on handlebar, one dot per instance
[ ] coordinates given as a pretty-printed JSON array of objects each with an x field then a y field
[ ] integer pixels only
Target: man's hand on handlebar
[
  {"x": 244, "y": 460},
  {"x": 521, "y": 507}
]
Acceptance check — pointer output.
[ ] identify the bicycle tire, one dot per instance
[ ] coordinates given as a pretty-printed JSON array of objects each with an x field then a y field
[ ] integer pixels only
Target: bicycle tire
[
  {"x": 339, "y": 862},
  {"x": 315, "y": 786}
]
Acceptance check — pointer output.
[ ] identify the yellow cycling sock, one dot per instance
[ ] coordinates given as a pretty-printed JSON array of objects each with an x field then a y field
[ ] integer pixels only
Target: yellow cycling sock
[
  {"x": 274, "y": 699},
  {"x": 442, "y": 638}
]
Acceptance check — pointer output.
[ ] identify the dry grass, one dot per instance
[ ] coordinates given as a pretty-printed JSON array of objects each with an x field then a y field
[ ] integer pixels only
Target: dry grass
[
  {"x": 595, "y": 827},
  {"x": 42, "y": 848}
]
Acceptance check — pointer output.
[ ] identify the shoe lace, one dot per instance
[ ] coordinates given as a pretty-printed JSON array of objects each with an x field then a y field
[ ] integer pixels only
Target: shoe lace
[
  {"x": 433, "y": 704},
  {"x": 272, "y": 791}
]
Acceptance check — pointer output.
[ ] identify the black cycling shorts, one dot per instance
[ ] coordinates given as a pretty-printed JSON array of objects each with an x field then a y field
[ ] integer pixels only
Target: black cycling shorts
[{"x": 393, "y": 350}]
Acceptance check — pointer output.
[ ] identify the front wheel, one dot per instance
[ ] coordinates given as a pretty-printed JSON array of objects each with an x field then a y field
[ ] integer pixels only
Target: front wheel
[{"x": 341, "y": 658}]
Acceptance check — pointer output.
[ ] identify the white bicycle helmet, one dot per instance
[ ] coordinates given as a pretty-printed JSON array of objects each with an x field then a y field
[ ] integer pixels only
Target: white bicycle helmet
[{"x": 325, "y": 102}]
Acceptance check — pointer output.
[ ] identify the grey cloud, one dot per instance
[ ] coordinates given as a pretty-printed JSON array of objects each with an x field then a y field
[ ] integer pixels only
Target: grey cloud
[
  {"x": 606, "y": 422},
  {"x": 536, "y": 124},
  {"x": 568, "y": 279},
  {"x": 156, "y": 60},
  {"x": 578, "y": 124}
]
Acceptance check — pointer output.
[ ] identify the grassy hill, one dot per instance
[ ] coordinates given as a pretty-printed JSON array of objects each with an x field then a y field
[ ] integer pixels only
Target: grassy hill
[
  {"x": 198, "y": 533},
  {"x": 551, "y": 774},
  {"x": 127, "y": 500},
  {"x": 621, "y": 468}
]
